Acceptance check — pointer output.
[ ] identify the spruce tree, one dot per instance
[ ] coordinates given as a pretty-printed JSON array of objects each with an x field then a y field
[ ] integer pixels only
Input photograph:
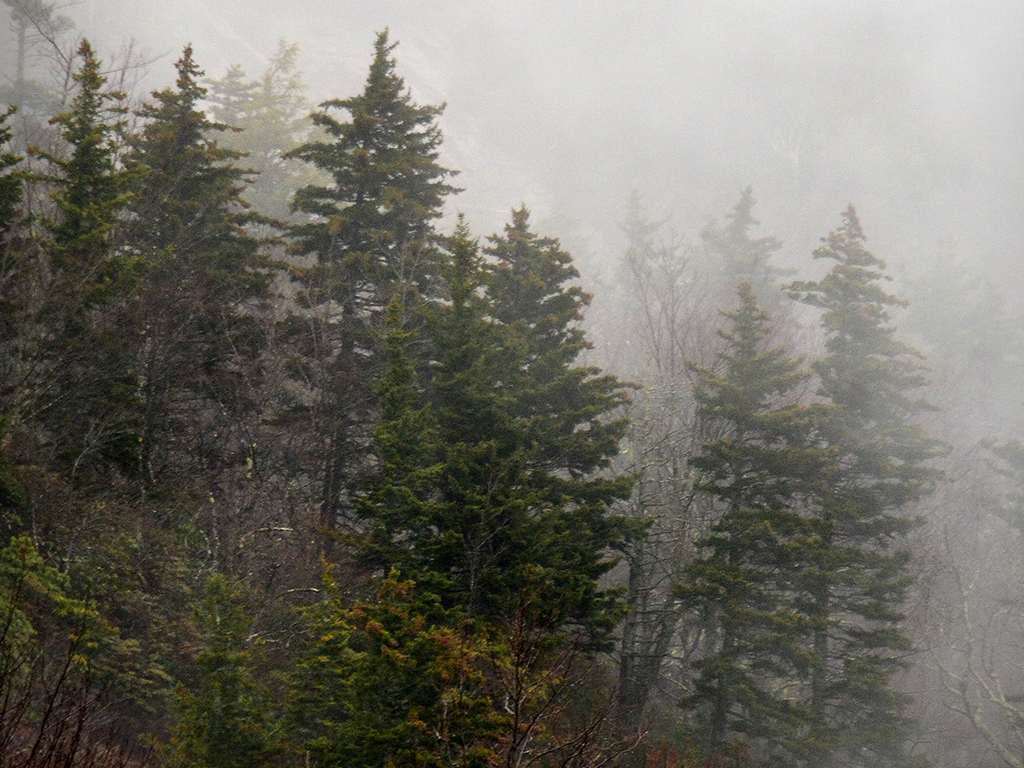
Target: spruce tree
[
  {"x": 879, "y": 468},
  {"x": 746, "y": 582},
  {"x": 498, "y": 494},
  {"x": 88, "y": 360},
  {"x": 739, "y": 257},
  {"x": 11, "y": 181},
  {"x": 370, "y": 234},
  {"x": 205, "y": 279}
]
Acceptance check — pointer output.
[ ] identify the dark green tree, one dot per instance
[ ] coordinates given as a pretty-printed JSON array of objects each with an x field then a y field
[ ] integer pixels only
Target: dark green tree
[
  {"x": 878, "y": 469},
  {"x": 394, "y": 681},
  {"x": 206, "y": 277},
  {"x": 370, "y": 234},
  {"x": 228, "y": 719},
  {"x": 510, "y": 500},
  {"x": 11, "y": 181},
  {"x": 89, "y": 388},
  {"x": 90, "y": 188},
  {"x": 747, "y": 583}
]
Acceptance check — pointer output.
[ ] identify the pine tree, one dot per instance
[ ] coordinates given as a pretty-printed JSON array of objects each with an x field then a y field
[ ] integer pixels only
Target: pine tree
[
  {"x": 371, "y": 233},
  {"x": 747, "y": 583},
  {"x": 273, "y": 115},
  {"x": 498, "y": 493},
  {"x": 878, "y": 470},
  {"x": 205, "y": 277}
]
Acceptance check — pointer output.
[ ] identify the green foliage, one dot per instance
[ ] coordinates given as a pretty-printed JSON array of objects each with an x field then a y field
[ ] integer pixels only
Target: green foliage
[
  {"x": 487, "y": 483},
  {"x": 394, "y": 681},
  {"x": 371, "y": 233},
  {"x": 90, "y": 188},
  {"x": 747, "y": 582},
  {"x": 11, "y": 191},
  {"x": 879, "y": 467},
  {"x": 199, "y": 335},
  {"x": 58, "y": 660},
  {"x": 387, "y": 186},
  {"x": 228, "y": 721}
]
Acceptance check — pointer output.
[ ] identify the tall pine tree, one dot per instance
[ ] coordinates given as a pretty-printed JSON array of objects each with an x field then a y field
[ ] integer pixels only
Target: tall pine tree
[
  {"x": 877, "y": 471},
  {"x": 369, "y": 234},
  {"x": 747, "y": 582}
]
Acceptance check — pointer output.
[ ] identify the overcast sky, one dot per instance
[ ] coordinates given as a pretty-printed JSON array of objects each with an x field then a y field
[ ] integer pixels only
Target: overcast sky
[{"x": 913, "y": 111}]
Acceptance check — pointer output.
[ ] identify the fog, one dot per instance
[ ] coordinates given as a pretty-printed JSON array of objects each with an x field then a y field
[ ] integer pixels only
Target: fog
[
  {"x": 257, "y": 383},
  {"x": 913, "y": 111}
]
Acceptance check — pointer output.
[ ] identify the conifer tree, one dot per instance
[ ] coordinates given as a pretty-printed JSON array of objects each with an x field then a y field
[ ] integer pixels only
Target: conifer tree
[
  {"x": 227, "y": 720},
  {"x": 205, "y": 276},
  {"x": 371, "y": 234},
  {"x": 501, "y": 494},
  {"x": 272, "y": 112},
  {"x": 877, "y": 471},
  {"x": 91, "y": 378},
  {"x": 738, "y": 257},
  {"x": 393, "y": 681},
  {"x": 90, "y": 187},
  {"x": 10, "y": 180},
  {"x": 747, "y": 583}
]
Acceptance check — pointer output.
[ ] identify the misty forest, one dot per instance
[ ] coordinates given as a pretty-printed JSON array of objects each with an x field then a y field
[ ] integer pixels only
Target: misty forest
[{"x": 312, "y": 455}]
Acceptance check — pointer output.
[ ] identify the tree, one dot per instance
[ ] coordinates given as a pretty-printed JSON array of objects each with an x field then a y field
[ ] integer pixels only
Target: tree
[
  {"x": 748, "y": 581},
  {"x": 741, "y": 258},
  {"x": 878, "y": 470},
  {"x": 199, "y": 338},
  {"x": 10, "y": 180},
  {"x": 272, "y": 114},
  {"x": 228, "y": 719},
  {"x": 371, "y": 235},
  {"x": 58, "y": 658},
  {"x": 87, "y": 397},
  {"x": 498, "y": 491},
  {"x": 393, "y": 681}
]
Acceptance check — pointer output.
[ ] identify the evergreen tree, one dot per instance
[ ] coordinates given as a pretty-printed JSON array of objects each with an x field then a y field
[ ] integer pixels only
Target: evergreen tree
[
  {"x": 394, "y": 681},
  {"x": 227, "y": 721},
  {"x": 273, "y": 115},
  {"x": 205, "y": 276},
  {"x": 878, "y": 470},
  {"x": 90, "y": 372},
  {"x": 740, "y": 258},
  {"x": 747, "y": 583},
  {"x": 371, "y": 233},
  {"x": 90, "y": 188},
  {"x": 510, "y": 500},
  {"x": 11, "y": 181}
]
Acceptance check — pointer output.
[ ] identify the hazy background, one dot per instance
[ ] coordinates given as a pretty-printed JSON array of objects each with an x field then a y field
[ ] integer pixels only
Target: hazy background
[{"x": 913, "y": 111}]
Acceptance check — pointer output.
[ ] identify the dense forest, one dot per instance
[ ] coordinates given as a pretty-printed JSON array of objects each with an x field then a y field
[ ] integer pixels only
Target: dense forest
[{"x": 296, "y": 471}]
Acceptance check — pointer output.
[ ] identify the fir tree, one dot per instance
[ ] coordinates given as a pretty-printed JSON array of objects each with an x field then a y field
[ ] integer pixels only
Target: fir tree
[
  {"x": 371, "y": 234},
  {"x": 11, "y": 181},
  {"x": 205, "y": 279},
  {"x": 877, "y": 471},
  {"x": 273, "y": 115},
  {"x": 740, "y": 258},
  {"x": 393, "y": 681},
  {"x": 747, "y": 584},
  {"x": 498, "y": 492}
]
